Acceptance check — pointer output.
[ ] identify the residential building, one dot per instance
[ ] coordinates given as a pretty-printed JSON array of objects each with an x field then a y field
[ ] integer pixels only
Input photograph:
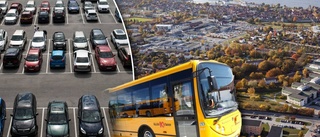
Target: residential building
[{"x": 251, "y": 127}]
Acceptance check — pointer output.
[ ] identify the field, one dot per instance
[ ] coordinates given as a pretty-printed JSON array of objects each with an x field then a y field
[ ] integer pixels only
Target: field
[{"x": 140, "y": 19}]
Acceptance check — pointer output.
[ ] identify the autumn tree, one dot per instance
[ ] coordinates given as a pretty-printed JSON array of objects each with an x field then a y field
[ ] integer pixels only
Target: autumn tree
[
  {"x": 300, "y": 134},
  {"x": 273, "y": 72},
  {"x": 281, "y": 78},
  {"x": 297, "y": 77},
  {"x": 262, "y": 83},
  {"x": 305, "y": 73},
  {"x": 253, "y": 83},
  {"x": 264, "y": 65},
  {"x": 251, "y": 91}
]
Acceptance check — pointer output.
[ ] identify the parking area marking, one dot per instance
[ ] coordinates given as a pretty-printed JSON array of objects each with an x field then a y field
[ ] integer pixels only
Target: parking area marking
[
  {"x": 9, "y": 129},
  {"x": 83, "y": 22},
  {"x": 48, "y": 57},
  {"x": 75, "y": 122},
  {"x": 42, "y": 121},
  {"x": 105, "y": 117},
  {"x": 70, "y": 55}
]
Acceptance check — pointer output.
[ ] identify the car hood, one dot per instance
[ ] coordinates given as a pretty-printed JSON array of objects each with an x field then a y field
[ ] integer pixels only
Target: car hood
[
  {"x": 10, "y": 18},
  {"x": 31, "y": 63},
  {"x": 80, "y": 44},
  {"x": 23, "y": 124},
  {"x": 30, "y": 9},
  {"x": 122, "y": 41},
  {"x": 1, "y": 43},
  {"x": 103, "y": 6},
  {"x": 3, "y": 8},
  {"x": 107, "y": 61},
  {"x": 100, "y": 42},
  {"x": 16, "y": 42},
  {"x": 37, "y": 44},
  {"x": 59, "y": 8},
  {"x": 59, "y": 43},
  {"x": 57, "y": 130},
  {"x": 91, "y": 127}
]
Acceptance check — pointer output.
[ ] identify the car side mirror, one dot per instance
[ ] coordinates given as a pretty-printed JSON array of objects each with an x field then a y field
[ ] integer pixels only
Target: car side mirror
[
  {"x": 45, "y": 120},
  {"x": 37, "y": 113},
  {"x": 11, "y": 115},
  {"x": 69, "y": 119}
]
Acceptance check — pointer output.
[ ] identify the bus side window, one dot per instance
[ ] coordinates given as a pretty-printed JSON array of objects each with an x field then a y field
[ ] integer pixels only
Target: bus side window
[
  {"x": 184, "y": 95},
  {"x": 141, "y": 99}
]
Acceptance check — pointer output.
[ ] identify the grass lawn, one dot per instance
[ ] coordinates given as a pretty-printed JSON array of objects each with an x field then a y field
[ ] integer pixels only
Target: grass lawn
[
  {"x": 288, "y": 132},
  {"x": 306, "y": 123},
  {"x": 140, "y": 19}
]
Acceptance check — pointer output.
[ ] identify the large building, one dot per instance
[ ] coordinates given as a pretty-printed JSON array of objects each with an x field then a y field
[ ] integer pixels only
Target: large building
[
  {"x": 275, "y": 132},
  {"x": 251, "y": 127}
]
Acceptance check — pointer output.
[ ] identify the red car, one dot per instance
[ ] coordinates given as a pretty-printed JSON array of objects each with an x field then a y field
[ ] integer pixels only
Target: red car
[
  {"x": 33, "y": 60},
  {"x": 45, "y": 5},
  {"x": 17, "y": 6},
  {"x": 105, "y": 58},
  {"x": 26, "y": 17}
]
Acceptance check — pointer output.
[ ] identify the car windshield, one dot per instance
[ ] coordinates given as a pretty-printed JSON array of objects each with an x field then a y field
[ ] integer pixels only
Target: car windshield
[
  {"x": 99, "y": 37},
  {"x": 73, "y": 4},
  {"x": 2, "y": 5},
  {"x": 44, "y": 5},
  {"x": 103, "y": 3},
  {"x": 57, "y": 58},
  {"x": 32, "y": 57},
  {"x": 91, "y": 116},
  {"x": 80, "y": 40},
  {"x": 16, "y": 37},
  {"x": 59, "y": 5},
  {"x": 221, "y": 101},
  {"x": 59, "y": 38},
  {"x": 23, "y": 113},
  {"x": 29, "y": 5},
  {"x": 38, "y": 39},
  {"x": 121, "y": 37},
  {"x": 106, "y": 55},
  {"x": 57, "y": 119},
  {"x": 1, "y": 38},
  {"x": 82, "y": 60},
  {"x": 88, "y": 5},
  {"x": 10, "y": 15}
]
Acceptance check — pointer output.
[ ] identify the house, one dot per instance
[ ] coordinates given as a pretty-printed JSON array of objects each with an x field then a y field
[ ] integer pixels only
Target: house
[
  {"x": 270, "y": 80},
  {"x": 251, "y": 126},
  {"x": 136, "y": 37},
  {"x": 301, "y": 95},
  {"x": 275, "y": 131},
  {"x": 255, "y": 62}
]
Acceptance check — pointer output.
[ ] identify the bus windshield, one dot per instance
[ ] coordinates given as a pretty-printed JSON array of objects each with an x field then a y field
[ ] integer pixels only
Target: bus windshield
[{"x": 221, "y": 101}]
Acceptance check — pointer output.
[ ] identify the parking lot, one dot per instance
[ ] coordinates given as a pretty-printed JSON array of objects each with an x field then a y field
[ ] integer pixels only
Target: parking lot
[
  {"x": 73, "y": 124},
  {"x": 62, "y": 84}
]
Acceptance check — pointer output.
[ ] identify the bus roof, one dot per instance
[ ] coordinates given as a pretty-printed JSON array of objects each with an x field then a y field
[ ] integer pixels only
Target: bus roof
[{"x": 166, "y": 72}]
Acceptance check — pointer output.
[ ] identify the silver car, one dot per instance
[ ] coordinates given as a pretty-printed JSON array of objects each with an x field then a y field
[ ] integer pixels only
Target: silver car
[
  {"x": 39, "y": 40},
  {"x": 4, "y": 6},
  {"x": 82, "y": 61},
  {"x": 3, "y": 39},
  {"x": 31, "y": 6},
  {"x": 11, "y": 17},
  {"x": 79, "y": 41},
  {"x": 91, "y": 15}
]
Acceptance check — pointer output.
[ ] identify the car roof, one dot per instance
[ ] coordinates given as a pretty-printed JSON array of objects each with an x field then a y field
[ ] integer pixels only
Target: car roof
[
  {"x": 57, "y": 52},
  {"x": 34, "y": 51},
  {"x": 12, "y": 11},
  {"x": 24, "y": 99},
  {"x": 82, "y": 53},
  {"x": 59, "y": 2},
  {"x": 104, "y": 48},
  {"x": 57, "y": 107},
  {"x": 12, "y": 50},
  {"x": 79, "y": 34},
  {"x": 87, "y": 2},
  {"x": 3, "y": 1},
  {"x": 89, "y": 102},
  {"x": 38, "y": 33},
  {"x": 58, "y": 34},
  {"x": 119, "y": 31},
  {"x": 18, "y": 32},
  {"x": 45, "y": 2}
]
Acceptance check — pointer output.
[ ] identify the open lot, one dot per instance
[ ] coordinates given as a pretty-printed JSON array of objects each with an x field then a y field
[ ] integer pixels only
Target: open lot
[{"x": 62, "y": 84}]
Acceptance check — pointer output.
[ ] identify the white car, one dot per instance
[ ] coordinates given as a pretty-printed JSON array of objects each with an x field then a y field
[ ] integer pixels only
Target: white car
[
  {"x": 119, "y": 38},
  {"x": 82, "y": 61},
  {"x": 3, "y": 39},
  {"x": 87, "y": 5},
  {"x": 4, "y": 6},
  {"x": 91, "y": 15},
  {"x": 31, "y": 6},
  {"x": 18, "y": 39},
  {"x": 79, "y": 41},
  {"x": 59, "y": 5},
  {"x": 39, "y": 40},
  {"x": 103, "y": 6},
  {"x": 11, "y": 16}
]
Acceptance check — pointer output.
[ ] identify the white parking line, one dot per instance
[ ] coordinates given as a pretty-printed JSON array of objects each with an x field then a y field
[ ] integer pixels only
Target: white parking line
[
  {"x": 35, "y": 18},
  {"x": 105, "y": 117},
  {"x": 90, "y": 50},
  {"x": 67, "y": 14},
  {"x": 42, "y": 121},
  {"x": 112, "y": 14},
  {"x": 70, "y": 55},
  {"x": 75, "y": 122},
  {"x": 50, "y": 16},
  {"x": 82, "y": 16},
  {"x": 98, "y": 18},
  {"x": 48, "y": 56},
  {"x": 2, "y": 22},
  {"x": 9, "y": 128},
  {"x": 1, "y": 65}
]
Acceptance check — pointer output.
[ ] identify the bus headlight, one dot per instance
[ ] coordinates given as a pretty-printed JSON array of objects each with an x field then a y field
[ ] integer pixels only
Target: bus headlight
[
  {"x": 217, "y": 127},
  {"x": 222, "y": 130}
]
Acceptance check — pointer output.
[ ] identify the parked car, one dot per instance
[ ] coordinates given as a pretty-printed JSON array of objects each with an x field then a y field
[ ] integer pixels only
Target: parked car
[
  {"x": 117, "y": 15},
  {"x": 119, "y": 38},
  {"x": 105, "y": 58},
  {"x": 33, "y": 61},
  {"x": 31, "y": 6},
  {"x": 24, "y": 117},
  {"x": 97, "y": 37},
  {"x": 73, "y": 6},
  {"x": 59, "y": 5},
  {"x": 59, "y": 40},
  {"x": 3, "y": 39},
  {"x": 58, "y": 16},
  {"x": 12, "y": 57},
  {"x": 91, "y": 15},
  {"x": 4, "y": 6},
  {"x": 45, "y": 6},
  {"x": 39, "y": 40},
  {"x": 87, "y": 5},
  {"x": 82, "y": 61},
  {"x": 3, "y": 115},
  {"x": 57, "y": 59},
  {"x": 26, "y": 17},
  {"x": 43, "y": 17},
  {"x": 18, "y": 39},
  {"x": 124, "y": 54},
  {"x": 79, "y": 41},
  {"x": 1, "y": 14},
  {"x": 90, "y": 118},
  {"x": 16, "y": 5},
  {"x": 103, "y": 6},
  {"x": 11, "y": 17},
  {"x": 57, "y": 119}
]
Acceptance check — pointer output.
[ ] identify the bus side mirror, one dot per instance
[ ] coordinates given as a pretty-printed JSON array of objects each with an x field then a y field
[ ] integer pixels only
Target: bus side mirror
[{"x": 212, "y": 83}]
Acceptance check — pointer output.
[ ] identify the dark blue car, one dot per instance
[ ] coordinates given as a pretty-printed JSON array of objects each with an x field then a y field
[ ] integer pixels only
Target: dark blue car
[
  {"x": 2, "y": 114},
  {"x": 57, "y": 59},
  {"x": 73, "y": 6}
]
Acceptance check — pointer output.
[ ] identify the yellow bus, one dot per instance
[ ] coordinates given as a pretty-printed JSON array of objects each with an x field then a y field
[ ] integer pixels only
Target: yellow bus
[{"x": 194, "y": 99}]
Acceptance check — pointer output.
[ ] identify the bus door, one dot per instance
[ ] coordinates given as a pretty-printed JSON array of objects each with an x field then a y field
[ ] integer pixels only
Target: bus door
[{"x": 184, "y": 110}]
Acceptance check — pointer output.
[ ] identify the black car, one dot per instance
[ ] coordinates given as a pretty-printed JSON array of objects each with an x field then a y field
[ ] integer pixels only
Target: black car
[
  {"x": 2, "y": 115},
  {"x": 59, "y": 40},
  {"x": 57, "y": 119},
  {"x": 12, "y": 57},
  {"x": 90, "y": 118},
  {"x": 59, "y": 16},
  {"x": 24, "y": 117},
  {"x": 43, "y": 17},
  {"x": 117, "y": 15},
  {"x": 124, "y": 55},
  {"x": 97, "y": 38}
]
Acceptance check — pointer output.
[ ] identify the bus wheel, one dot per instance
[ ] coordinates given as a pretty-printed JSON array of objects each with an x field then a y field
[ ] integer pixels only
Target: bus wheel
[
  {"x": 148, "y": 114},
  {"x": 147, "y": 132}
]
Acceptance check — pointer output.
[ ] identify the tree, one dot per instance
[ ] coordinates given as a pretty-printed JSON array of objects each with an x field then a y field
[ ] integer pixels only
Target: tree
[
  {"x": 300, "y": 134},
  {"x": 262, "y": 83},
  {"x": 305, "y": 73},
  {"x": 297, "y": 77},
  {"x": 273, "y": 72}
]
